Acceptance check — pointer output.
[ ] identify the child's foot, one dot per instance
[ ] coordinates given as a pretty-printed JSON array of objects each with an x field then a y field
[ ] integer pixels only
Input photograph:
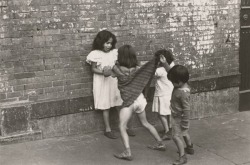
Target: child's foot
[
  {"x": 124, "y": 156},
  {"x": 166, "y": 136},
  {"x": 110, "y": 135},
  {"x": 189, "y": 150},
  {"x": 131, "y": 132},
  {"x": 162, "y": 132},
  {"x": 182, "y": 160},
  {"x": 159, "y": 147}
]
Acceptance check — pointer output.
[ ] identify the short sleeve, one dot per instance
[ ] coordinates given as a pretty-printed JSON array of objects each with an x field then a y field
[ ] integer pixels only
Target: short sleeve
[
  {"x": 94, "y": 56},
  {"x": 160, "y": 72}
]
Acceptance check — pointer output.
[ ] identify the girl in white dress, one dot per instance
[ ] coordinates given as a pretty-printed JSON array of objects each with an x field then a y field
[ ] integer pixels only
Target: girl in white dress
[
  {"x": 163, "y": 92},
  {"x": 105, "y": 91}
]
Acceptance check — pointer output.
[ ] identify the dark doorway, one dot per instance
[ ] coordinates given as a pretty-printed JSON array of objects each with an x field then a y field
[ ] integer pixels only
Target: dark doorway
[{"x": 244, "y": 104}]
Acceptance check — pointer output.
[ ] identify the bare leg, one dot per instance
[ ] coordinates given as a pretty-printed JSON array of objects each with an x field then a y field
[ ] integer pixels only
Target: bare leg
[
  {"x": 130, "y": 130},
  {"x": 187, "y": 140},
  {"x": 164, "y": 122},
  {"x": 169, "y": 122},
  {"x": 148, "y": 126},
  {"x": 179, "y": 145},
  {"x": 124, "y": 116},
  {"x": 106, "y": 120}
]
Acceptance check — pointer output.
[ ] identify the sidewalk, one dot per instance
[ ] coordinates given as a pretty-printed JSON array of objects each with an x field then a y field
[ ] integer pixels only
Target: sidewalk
[{"x": 222, "y": 140}]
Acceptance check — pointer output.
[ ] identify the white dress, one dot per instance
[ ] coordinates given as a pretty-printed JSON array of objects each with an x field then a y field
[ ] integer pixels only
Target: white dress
[
  {"x": 163, "y": 92},
  {"x": 105, "y": 89}
]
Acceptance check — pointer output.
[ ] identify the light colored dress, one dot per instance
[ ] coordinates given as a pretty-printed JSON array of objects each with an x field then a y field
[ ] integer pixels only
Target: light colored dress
[
  {"x": 163, "y": 92},
  {"x": 105, "y": 90}
]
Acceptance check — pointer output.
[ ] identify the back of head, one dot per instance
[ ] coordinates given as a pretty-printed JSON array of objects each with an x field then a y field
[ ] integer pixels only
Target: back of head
[
  {"x": 178, "y": 73},
  {"x": 166, "y": 53},
  {"x": 127, "y": 56},
  {"x": 102, "y": 37}
]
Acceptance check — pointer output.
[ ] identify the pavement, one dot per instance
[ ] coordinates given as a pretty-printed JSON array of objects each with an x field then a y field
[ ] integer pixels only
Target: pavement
[{"x": 220, "y": 140}]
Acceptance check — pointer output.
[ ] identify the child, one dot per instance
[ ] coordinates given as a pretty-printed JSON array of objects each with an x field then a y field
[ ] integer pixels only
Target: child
[
  {"x": 106, "y": 94},
  {"x": 127, "y": 72},
  {"x": 163, "y": 92},
  {"x": 180, "y": 107}
]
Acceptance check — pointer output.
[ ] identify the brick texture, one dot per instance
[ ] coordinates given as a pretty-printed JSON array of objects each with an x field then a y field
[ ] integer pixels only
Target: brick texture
[{"x": 44, "y": 43}]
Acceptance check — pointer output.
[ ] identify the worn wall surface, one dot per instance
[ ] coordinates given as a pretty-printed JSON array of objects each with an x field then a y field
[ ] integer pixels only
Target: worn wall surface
[{"x": 44, "y": 44}]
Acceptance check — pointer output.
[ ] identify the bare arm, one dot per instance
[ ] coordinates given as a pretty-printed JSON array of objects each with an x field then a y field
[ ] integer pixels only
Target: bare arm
[
  {"x": 106, "y": 70},
  {"x": 165, "y": 63},
  {"x": 116, "y": 70},
  {"x": 95, "y": 69}
]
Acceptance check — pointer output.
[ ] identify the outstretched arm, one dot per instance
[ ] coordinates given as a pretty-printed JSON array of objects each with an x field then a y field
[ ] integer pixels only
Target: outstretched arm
[{"x": 116, "y": 71}]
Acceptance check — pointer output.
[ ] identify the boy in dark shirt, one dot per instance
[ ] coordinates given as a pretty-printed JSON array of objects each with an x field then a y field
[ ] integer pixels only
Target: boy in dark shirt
[{"x": 180, "y": 108}]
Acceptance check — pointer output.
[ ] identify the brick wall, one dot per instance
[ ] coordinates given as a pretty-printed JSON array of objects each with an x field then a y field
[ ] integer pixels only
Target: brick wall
[{"x": 44, "y": 43}]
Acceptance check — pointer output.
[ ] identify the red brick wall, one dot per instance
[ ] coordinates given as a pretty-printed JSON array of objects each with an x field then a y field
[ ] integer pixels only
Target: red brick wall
[{"x": 44, "y": 43}]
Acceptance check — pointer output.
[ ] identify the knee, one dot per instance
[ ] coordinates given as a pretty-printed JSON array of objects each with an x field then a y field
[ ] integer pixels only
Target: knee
[
  {"x": 175, "y": 137},
  {"x": 122, "y": 126}
]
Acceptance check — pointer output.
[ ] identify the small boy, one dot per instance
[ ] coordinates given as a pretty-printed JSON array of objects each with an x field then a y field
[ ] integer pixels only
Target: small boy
[{"x": 180, "y": 109}]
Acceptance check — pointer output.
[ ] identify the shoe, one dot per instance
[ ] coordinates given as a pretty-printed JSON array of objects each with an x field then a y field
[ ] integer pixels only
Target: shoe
[
  {"x": 131, "y": 132},
  {"x": 159, "y": 147},
  {"x": 124, "y": 156},
  {"x": 162, "y": 132},
  {"x": 182, "y": 160},
  {"x": 189, "y": 150},
  {"x": 166, "y": 137},
  {"x": 110, "y": 135}
]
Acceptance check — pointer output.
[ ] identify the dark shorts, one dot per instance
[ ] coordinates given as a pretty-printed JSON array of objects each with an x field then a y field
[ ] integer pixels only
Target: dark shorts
[{"x": 177, "y": 131}]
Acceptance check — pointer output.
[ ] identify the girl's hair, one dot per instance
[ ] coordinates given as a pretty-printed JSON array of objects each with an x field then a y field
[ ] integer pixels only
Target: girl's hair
[
  {"x": 166, "y": 53},
  {"x": 127, "y": 56},
  {"x": 178, "y": 73},
  {"x": 102, "y": 37}
]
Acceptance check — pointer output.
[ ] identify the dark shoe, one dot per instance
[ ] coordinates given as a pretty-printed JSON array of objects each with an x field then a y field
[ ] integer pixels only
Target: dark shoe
[
  {"x": 166, "y": 137},
  {"x": 189, "y": 150},
  {"x": 110, "y": 135},
  {"x": 159, "y": 147},
  {"x": 182, "y": 160},
  {"x": 130, "y": 132},
  {"x": 124, "y": 156},
  {"x": 161, "y": 132}
]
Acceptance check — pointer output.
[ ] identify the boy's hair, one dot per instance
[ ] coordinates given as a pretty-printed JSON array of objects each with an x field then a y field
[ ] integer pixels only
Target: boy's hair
[
  {"x": 102, "y": 37},
  {"x": 178, "y": 73},
  {"x": 127, "y": 56},
  {"x": 166, "y": 53}
]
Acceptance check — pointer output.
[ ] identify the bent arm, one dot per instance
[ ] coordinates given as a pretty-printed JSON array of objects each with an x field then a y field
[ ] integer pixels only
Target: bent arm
[
  {"x": 164, "y": 63},
  {"x": 116, "y": 70},
  {"x": 95, "y": 69}
]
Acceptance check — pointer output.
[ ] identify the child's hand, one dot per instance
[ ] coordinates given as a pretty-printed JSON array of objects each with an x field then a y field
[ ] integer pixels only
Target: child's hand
[
  {"x": 107, "y": 71},
  {"x": 163, "y": 59},
  {"x": 164, "y": 62},
  {"x": 113, "y": 74}
]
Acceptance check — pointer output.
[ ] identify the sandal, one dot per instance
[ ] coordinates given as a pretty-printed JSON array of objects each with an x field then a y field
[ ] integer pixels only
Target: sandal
[
  {"x": 166, "y": 137},
  {"x": 124, "y": 156},
  {"x": 159, "y": 147},
  {"x": 110, "y": 135}
]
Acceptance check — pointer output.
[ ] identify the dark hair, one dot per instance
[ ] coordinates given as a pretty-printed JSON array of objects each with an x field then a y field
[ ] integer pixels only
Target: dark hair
[
  {"x": 102, "y": 37},
  {"x": 127, "y": 56},
  {"x": 178, "y": 73},
  {"x": 166, "y": 53}
]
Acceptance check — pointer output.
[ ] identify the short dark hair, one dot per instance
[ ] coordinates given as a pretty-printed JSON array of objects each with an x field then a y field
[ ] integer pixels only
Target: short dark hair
[
  {"x": 166, "y": 53},
  {"x": 178, "y": 73},
  {"x": 127, "y": 56},
  {"x": 102, "y": 37}
]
